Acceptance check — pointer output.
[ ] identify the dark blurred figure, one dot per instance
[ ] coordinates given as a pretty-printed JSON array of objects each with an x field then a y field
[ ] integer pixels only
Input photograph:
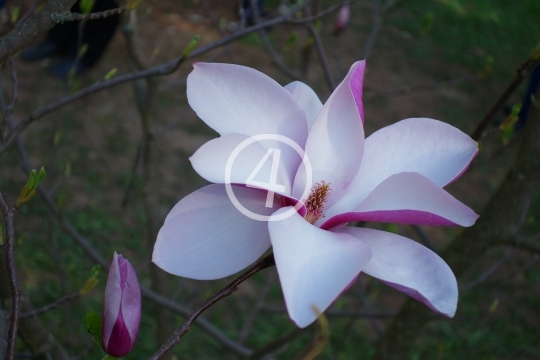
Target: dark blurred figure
[
  {"x": 532, "y": 89},
  {"x": 63, "y": 40},
  {"x": 248, "y": 11}
]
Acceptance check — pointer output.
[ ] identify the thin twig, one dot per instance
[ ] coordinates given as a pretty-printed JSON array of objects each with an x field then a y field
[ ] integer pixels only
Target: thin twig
[
  {"x": 15, "y": 89},
  {"x": 8, "y": 248},
  {"x": 61, "y": 18},
  {"x": 424, "y": 238},
  {"x": 322, "y": 13},
  {"x": 261, "y": 264},
  {"x": 50, "y": 306},
  {"x": 32, "y": 28},
  {"x": 407, "y": 90},
  {"x": 269, "y": 48},
  {"x": 248, "y": 324},
  {"x": 521, "y": 74},
  {"x": 93, "y": 254},
  {"x": 277, "y": 343},
  {"x": 323, "y": 58},
  {"x": 490, "y": 271},
  {"x": 339, "y": 313},
  {"x": 160, "y": 70}
]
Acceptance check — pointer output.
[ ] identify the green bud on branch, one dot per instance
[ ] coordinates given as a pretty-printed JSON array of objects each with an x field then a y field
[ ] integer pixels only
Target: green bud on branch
[
  {"x": 29, "y": 190},
  {"x": 192, "y": 43}
]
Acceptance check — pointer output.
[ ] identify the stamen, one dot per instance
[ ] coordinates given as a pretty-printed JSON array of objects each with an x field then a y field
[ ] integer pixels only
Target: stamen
[{"x": 320, "y": 192}]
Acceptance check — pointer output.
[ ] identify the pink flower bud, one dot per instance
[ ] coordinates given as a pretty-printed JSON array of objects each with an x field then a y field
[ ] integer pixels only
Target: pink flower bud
[
  {"x": 342, "y": 18},
  {"x": 122, "y": 312}
]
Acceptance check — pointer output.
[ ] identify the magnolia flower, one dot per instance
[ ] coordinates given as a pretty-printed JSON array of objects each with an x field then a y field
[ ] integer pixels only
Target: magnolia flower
[
  {"x": 395, "y": 175},
  {"x": 122, "y": 312}
]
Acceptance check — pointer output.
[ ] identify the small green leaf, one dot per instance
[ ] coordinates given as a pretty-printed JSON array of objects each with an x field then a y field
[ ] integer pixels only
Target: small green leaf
[
  {"x": 192, "y": 43},
  {"x": 512, "y": 118},
  {"x": 83, "y": 50},
  {"x": 535, "y": 55},
  {"x": 93, "y": 324},
  {"x": 494, "y": 306},
  {"x": 29, "y": 190},
  {"x": 15, "y": 12},
  {"x": 487, "y": 66},
  {"x": 132, "y": 4},
  {"x": 96, "y": 269},
  {"x": 111, "y": 73},
  {"x": 86, "y": 6},
  {"x": 427, "y": 23}
]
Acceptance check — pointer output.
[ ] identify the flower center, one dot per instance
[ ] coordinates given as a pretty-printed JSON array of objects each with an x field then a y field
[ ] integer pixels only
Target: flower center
[{"x": 316, "y": 200}]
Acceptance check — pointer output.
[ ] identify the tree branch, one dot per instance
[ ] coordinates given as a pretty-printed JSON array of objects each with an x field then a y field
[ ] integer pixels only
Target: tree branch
[
  {"x": 521, "y": 74},
  {"x": 160, "y": 70},
  {"x": 50, "y": 306},
  {"x": 8, "y": 248},
  {"x": 32, "y": 28},
  {"x": 261, "y": 264},
  {"x": 497, "y": 224},
  {"x": 61, "y": 18}
]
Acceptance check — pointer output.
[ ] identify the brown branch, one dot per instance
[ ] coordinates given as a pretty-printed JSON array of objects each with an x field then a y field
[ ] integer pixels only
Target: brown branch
[
  {"x": 521, "y": 74},
  {"x": 340, "y": 313},
  {"x": 407, "y": 90},
  {"x": 261, "y": 264},
  {"x": 269, "y": 48},
  {"x": 322, "y": 13},
  {"x": 93, "y": 254},
  {"x": 50, "y": 306},
  {"x": 277, "y": 343},
  {"x": 61, "y": 18},
  {"x": 250, "y": 320},
  {"x": 32, "y": 28},
  {"x": 323, "y": 58},
  {"x": 160, "y": 70},
  {"x": 8, "y": 248},
  {"x": 497, "y": 224}
]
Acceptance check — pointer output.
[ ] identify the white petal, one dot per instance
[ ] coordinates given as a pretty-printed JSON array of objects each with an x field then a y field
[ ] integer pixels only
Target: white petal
[
  {"x": 314, "y": 265},
  {"x": 409, "y": 267},
  {"x": 432, "y": 148},
  {"x": 206, "y": 237},
  {"x": 406, "y": 198},
  {"x": 211, "y": 159},
  {"x": 307, "y": 99},
  {"x": 237, "y": 99},
  {"x": 336, "y": 141}
]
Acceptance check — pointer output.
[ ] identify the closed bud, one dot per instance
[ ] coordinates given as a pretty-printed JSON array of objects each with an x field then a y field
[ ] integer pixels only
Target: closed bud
[
  {"x": 122, "y": 312},
  {"x": 342, "y": 18}
]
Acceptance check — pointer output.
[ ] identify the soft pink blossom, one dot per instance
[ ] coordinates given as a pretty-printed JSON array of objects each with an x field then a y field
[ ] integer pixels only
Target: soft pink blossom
[
  {"x": 122, "y": 313},
  {"x": 395, "y": 175}
]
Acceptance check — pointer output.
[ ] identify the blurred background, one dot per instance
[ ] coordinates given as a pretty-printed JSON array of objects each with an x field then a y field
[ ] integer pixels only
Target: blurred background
[{"x": 117, "y": 161}]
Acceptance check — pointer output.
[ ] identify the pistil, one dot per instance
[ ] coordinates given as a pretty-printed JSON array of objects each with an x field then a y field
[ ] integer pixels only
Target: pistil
[{"x": 320, "y": 192}]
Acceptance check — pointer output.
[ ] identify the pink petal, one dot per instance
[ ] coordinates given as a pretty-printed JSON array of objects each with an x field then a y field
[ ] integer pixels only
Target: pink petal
[
  {"x": 410, "y": 268},
  {"x": 407, "y": 198},
  {"x": 210, "y": 161},
  {"x": 113, "y": 296},
  {"x": 131, "y": 302},
  {"x": 205, "y": 237},
  {"x": 307, "y": 99},
  {"x": 336, "y": 141},
  {"x": 237, "y": 99},
  {"x": 314, "y": 265},
  {"x": 432, "y": 148}
]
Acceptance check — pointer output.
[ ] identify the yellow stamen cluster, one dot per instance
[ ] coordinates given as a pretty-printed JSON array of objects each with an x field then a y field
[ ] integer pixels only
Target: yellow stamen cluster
[{"x": 320, "y": 192}]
